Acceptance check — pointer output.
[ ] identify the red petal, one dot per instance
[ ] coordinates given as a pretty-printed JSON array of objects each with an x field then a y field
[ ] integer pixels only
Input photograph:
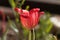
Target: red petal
[
  {"x": 34, "y": 16},
  {"x": 25, "y": 13},
  {"x": 41, "y": 13},
  {"x": 35, "y": 10},
  {"x": 18, "y": 10},
  {"x": 25, "y": 22}
]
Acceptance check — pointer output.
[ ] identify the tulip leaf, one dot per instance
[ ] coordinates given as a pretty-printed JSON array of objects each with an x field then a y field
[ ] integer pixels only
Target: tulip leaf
[
  {"x": 12, "y": 3},
  {"x": 49, "y": 37},
  {"x": 27, "y": 7},
  {"x": 12, "y": 25},
  {"x": 20, "y": 4},
  {"x": 49, "y": 28},
  {"x": 45, "y": 23},
  {"x": 25, "y": 31}
]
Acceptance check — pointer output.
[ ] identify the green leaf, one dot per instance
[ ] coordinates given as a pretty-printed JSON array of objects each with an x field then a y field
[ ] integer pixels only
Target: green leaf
[
  {"x": 12, "y": 3},
  {"x": 45, "y": 23},
  {"x": 25, "y": 31},
  {"x": 50, "y": 37},
  {"x": 20, "y": 4},
  {"x": 49, "y": 28},
  {"x": 27, "y": 7},
  {"x": 12, "y": 25}
]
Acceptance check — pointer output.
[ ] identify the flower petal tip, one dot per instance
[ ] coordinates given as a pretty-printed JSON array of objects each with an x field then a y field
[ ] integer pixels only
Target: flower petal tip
[
  {"x": 16, "y": 9},
  {"x": 36, "y": 9},
  {"x": 42, "y": 13}
]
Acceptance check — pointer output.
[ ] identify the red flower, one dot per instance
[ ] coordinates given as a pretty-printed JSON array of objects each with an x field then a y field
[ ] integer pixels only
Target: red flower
[
  {"x": 3, "y": 27},
  {"x": 29, "y": 19}
]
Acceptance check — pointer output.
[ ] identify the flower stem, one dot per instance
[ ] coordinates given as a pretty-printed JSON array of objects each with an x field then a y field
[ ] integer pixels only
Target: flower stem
[
  {"x": 33, "y": 34},
  {"x": 30, "y": 34}
]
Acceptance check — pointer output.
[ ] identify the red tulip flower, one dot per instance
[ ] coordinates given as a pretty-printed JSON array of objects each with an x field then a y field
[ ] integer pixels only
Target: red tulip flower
[{"x": 29, "y": 19}]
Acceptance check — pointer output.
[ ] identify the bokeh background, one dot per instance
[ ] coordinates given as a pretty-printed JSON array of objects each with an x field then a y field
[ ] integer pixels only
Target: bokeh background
[{"x": 52, "y": 6}]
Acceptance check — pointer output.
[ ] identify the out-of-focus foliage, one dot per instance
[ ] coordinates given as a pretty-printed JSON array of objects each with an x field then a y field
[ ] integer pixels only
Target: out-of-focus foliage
[
  {"x": 12, "y": 25},
  {"x": 45, "y": 22},
  {"x": 45, "y": 26},
  {"x": 12, "y": 3},
  {"x": 43, "y": 31}
]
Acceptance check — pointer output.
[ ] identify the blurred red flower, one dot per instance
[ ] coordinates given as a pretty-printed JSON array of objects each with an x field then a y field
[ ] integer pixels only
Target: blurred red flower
[
  {"x": 29, "y": 19},
  {"x": 3, "y": 26}
]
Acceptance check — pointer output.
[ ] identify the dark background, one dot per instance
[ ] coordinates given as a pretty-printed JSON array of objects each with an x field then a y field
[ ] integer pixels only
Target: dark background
[{"x": 53, "y": 8}]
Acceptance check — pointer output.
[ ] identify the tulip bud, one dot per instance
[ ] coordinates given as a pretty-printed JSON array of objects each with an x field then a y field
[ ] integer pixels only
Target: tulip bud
[{"x": 29, "y": 19}]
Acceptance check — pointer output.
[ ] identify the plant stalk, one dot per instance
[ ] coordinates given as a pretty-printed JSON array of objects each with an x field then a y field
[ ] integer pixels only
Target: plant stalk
[{"x": 32, "y": 35}]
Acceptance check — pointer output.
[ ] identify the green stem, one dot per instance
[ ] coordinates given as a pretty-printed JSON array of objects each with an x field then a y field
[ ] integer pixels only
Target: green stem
[
  {"x": 30, "y": 35},
  {"x": 33, "y": 34}
]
